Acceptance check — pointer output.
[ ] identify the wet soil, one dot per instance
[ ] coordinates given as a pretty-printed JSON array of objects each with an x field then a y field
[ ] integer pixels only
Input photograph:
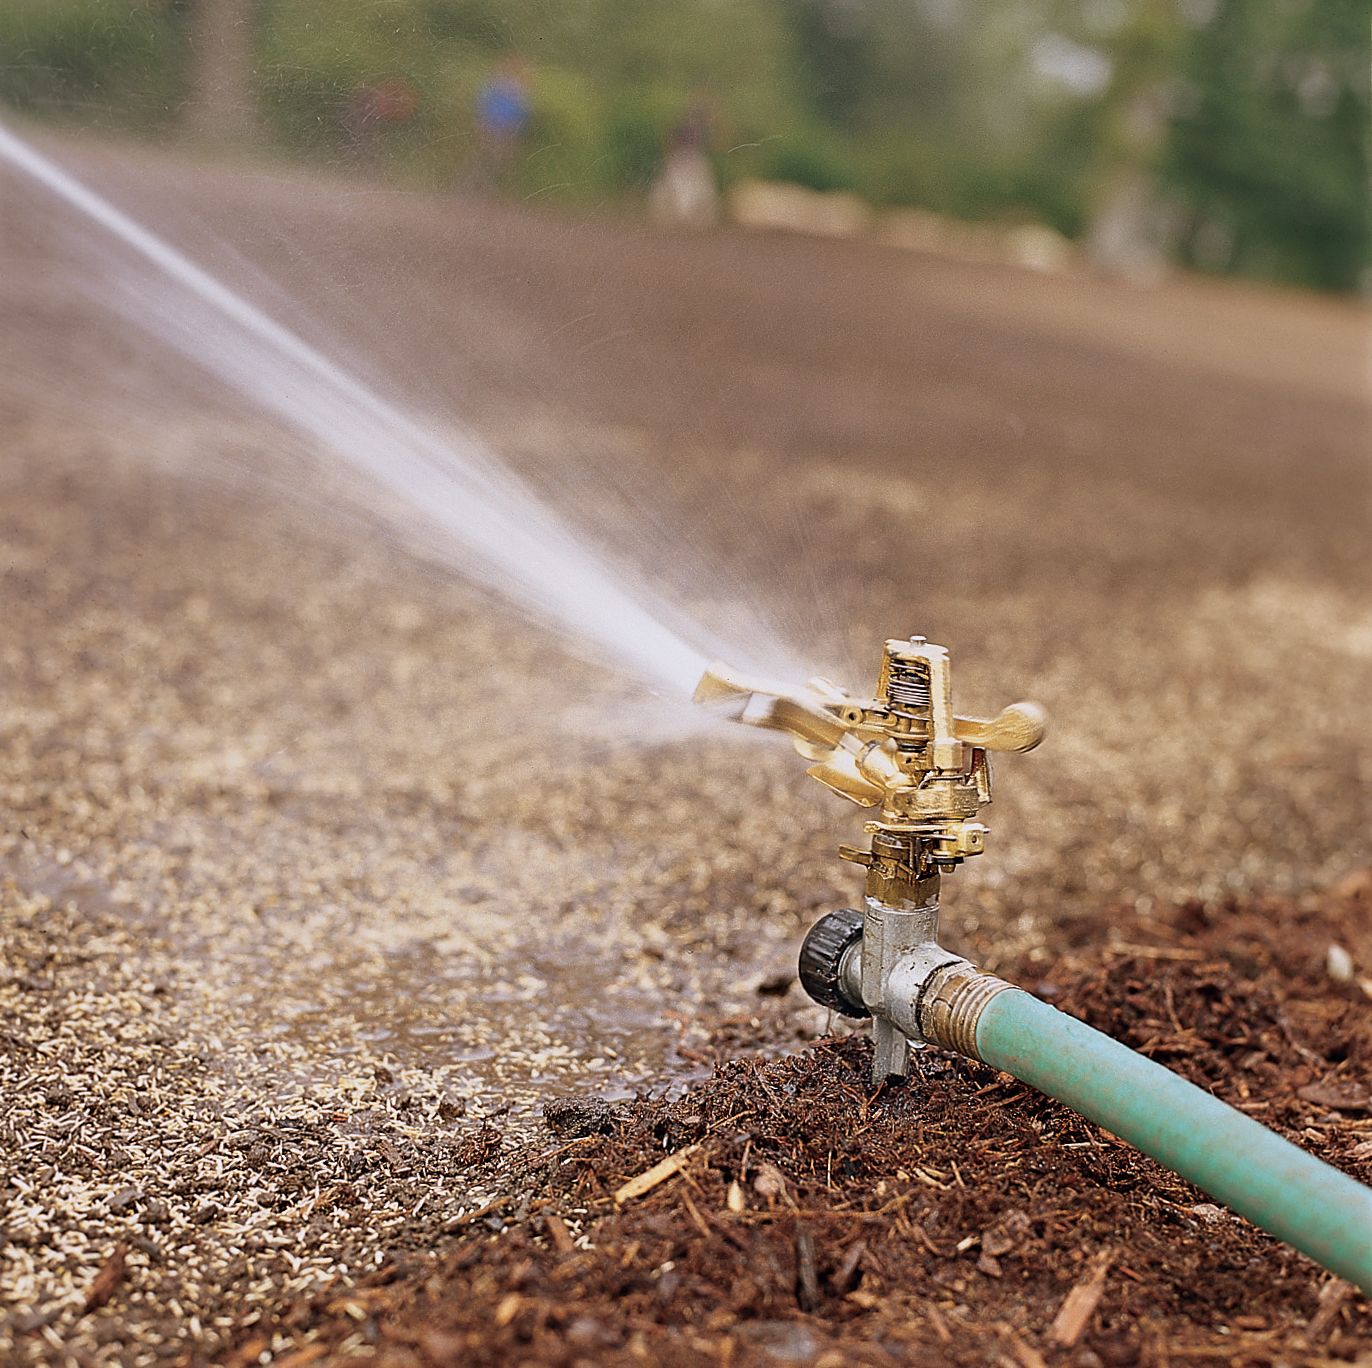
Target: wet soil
[{"x": 957, "y": 1218}]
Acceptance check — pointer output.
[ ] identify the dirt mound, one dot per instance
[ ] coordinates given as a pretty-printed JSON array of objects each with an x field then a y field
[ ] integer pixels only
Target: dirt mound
[{"x": 801, "y": 1217}]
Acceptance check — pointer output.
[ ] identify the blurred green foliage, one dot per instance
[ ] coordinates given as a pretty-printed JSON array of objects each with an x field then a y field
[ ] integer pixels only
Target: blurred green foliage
[
  {"x": 90, "y": 57},
  {"x": 1269, "y": 148},
  {"x": 1246, "y": 121}
]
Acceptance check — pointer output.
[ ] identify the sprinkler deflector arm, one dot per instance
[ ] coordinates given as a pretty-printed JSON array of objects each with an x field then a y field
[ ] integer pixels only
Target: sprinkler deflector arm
[{"x": 1279, "y": 1187}]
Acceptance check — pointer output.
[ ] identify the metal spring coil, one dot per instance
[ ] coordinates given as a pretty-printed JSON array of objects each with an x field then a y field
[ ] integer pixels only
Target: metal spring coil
[{"x": 907, "y": 688}]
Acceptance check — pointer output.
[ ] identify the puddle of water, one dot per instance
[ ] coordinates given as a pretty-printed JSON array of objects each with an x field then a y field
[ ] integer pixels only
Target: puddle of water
[
  {"x": 435, "y": 1010},
  {"x": 505, "y": 1024}
]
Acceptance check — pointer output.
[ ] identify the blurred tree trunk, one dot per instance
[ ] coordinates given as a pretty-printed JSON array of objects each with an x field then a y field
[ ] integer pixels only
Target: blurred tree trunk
[
  {"x": 221, "y": 105},
  {"x": 1131, "y": 228}
]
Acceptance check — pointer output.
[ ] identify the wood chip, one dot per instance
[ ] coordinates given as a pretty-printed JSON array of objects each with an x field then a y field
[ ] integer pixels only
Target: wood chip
[
  {"x": 1333, "y": 1295},
  {"x": 1080, "y": 1303},
  {"x": 1162, "y": 952},
  {"x": 489, "y": 1209},
  {"x": 845, "y": 1276},
  {"x": 1331, "y": 1094},
  {"x": 558, "y": 1234},
  {"x": 1024, "y": 1354},
  {"x": 658, "y": 1174},
  {"x": 807, "y": 1276},
  {"x": 249, "y": 1353},
  {"x": 1355, "y": 884},
  {"x": 309, "y": 1354},
  {"x": 769, "y": 1182},
  {"x": 940, "y": 1326},
  {"x": 697, "y": 1219},
  {"x": 109, "y": 1277}
]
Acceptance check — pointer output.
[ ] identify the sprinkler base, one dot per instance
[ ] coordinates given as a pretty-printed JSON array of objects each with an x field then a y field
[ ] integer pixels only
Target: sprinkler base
[{"x": 886, "y": 963}]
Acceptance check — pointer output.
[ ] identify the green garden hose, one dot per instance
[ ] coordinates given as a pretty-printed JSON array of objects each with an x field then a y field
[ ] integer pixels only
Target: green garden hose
[{"x": 1289, "y": 1193}]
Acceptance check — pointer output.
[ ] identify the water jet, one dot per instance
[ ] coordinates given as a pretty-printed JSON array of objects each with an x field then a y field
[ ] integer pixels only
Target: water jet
[{"x": 451, "y": 498}]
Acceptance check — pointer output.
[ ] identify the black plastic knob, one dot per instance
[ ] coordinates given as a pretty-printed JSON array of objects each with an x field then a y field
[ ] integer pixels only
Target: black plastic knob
[{"x": 821, "y": 957}]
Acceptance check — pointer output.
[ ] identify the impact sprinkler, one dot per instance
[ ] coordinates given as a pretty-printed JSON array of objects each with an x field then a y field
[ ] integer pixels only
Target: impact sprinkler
[{"x": 926, "y": 774}]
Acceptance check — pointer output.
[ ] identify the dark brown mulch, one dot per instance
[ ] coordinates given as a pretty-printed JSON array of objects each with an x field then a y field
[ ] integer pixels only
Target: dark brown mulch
[{"x": 960, "y": 1218}]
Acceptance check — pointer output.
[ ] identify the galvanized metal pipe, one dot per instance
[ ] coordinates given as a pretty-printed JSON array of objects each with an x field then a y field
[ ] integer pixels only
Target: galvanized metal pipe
[{"x": 1279, "y": 1187}]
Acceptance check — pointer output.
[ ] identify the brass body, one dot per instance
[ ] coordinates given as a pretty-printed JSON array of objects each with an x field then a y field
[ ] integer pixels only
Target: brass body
[{"x": 903, "y": 751}]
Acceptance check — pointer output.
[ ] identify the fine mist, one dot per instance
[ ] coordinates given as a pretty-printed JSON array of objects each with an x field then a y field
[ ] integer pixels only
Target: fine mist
[{"x": 446, "y": 494}]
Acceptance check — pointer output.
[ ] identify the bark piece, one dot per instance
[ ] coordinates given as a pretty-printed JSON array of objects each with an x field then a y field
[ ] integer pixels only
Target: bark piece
[
  {"x": 1079, "y": 1305},
  {"x": 659, "y": 1173}
]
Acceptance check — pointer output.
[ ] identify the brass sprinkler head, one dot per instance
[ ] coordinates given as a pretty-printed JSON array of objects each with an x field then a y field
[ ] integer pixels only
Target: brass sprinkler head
[
  {"x": 927, "y": 773},
  {"x": 903, "y": 751}
]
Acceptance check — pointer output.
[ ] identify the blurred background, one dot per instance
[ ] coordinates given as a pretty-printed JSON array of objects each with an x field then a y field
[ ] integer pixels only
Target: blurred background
[{"x": 1226, "y": 136}]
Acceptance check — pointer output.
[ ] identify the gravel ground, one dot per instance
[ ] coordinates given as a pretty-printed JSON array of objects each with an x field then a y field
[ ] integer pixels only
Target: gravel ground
[{"x": 305, "y": 907}]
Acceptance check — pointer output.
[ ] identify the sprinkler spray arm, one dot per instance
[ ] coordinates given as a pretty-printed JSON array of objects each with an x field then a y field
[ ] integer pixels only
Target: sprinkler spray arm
[
  {"x": 926, "y": 771},
  {"x": 817, "y": 712}
]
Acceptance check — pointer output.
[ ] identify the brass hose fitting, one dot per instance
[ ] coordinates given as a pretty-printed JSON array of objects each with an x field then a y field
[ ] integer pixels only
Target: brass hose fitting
[{"x": 952, "y": 1003}]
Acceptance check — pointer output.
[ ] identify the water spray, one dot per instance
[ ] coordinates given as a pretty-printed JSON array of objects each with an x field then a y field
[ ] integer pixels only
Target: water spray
[
  {"x": 926, "y": 772},
  {"x": 455, "y": 502}
]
